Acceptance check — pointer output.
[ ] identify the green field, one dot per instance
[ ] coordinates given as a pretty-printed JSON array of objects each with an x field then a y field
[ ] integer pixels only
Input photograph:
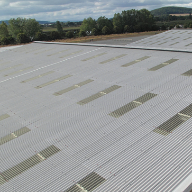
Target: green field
[{"x": 47, "y": 29}]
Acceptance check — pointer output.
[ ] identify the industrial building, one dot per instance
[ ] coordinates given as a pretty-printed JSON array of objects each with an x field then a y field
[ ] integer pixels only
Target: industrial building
[{"x": 102, "y": 118}]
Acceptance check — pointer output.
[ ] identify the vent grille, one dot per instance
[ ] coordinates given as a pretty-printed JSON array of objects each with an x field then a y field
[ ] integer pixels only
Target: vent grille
[
  {"x": 29, "y": 163},
  {"x": 188, "y": 73},
  {"x": 136, "y": 61},
  {"x": 54, "y": 81},
  {"x": 93, "y": 57},
  {"x": 73, "y": 87},
  {"x": 114, "y": 58},
  {"x": 36, "y": 77},
  {"x": 88, "y": 183},
  {"x": 97, "y": 95},
  {"x": 14, "y": 135},
  {"x": 163, "y": 64},
  {"x": 128, "y": 107},
  {"x": 171, "y": 124},
  {"x": 4, "y": 116}
]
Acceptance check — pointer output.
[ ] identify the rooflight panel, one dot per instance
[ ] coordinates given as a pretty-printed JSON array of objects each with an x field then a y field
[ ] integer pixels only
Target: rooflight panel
[
  {"x": 2, "y": 180},
  {"x": 128, "y": 107},
  {"x": 97, "y": 95},
  {"x": 53, "y": 81},
  {"x": 88, "y": 183},
  {"x": 29, "y": 163},
  {"x": 4, "y": 116},
  {"x": 58, "y": 52},
  {"x": 49, "y": 151},
  {"x": 175, "y": 121},
  {"x": 114, "y": 58},
  {"x": 71, "y": 54},
  {"x": 25, "y": 69},
  {"x": 14, "y": 135},
  {"x": 36, "y": 77},
  {"x": 73, "y": 87},
  {"x": 171, "y": 124},
  {"x": 89, "y": 58},
  {"x": 136, "y": 61},
  {"x": 163, "y": 64},
  {"x": 188, "y": 73},
  {"x": 10, "y": 67}
]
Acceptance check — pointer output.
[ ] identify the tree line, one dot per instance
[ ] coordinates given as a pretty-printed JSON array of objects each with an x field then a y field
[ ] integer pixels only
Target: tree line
[
  {"x": 126, "y": 22},
  {"x": 22, "y": 30}
]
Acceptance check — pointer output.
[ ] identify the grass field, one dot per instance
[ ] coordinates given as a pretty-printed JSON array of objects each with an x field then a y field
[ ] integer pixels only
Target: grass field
[
  {"x": 48, "y": 29},
  {"x": 106, "y": 37}
]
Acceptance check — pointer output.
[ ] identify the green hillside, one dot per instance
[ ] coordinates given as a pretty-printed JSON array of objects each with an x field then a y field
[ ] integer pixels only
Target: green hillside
[{"x": 170, "y": 10}]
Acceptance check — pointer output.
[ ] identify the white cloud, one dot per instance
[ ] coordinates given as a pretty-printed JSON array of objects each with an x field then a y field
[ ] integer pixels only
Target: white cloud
[{"x": 77, "y": 9}]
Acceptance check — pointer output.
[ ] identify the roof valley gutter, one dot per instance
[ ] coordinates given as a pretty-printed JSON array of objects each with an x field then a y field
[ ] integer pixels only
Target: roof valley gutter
[{"x": 116, "y": 46}]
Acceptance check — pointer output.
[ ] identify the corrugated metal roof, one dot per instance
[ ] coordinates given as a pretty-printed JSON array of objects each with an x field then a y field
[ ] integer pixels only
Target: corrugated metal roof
[{"x": 55, "y": 144}]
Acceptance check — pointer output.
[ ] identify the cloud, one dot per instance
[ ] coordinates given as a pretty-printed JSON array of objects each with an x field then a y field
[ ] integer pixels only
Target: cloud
[{"x": 77, "y": 9}]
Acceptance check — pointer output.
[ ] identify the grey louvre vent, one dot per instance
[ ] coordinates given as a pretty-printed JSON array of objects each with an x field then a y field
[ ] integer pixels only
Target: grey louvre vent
[
  {"x": 162, "y": 65},
  {"x": 36, "y": 77},
  {"x": 175, "y": 121},
  {"x": 14, "y": 135},
  {"x": 93, "y": 57},
  {"x": 114, "y": 58},
  {"x": 13, "y": 73},
  {"x": 72, "y": 87},
  {"x": 128, "y": 107},
  {"x": 4, "y": 116},
  {"x": 88, "y": 183},
  {"x": 54, "y": 81},
  {"x": 71, "y": 54},
  {"x": 136, "y": 61},
  {"x": 188, "y": 73},
  {"x": 29, "y": 163},
  {"x": 97, "y": 95}
]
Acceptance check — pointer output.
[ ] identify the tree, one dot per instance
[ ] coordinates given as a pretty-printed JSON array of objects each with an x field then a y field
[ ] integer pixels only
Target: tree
[
  {"x": 105, "y": 30},
  {"x": 4, "y": 30},
  {"x": 21, "y": 25},
  {"x": 16, "y": 26},
  {"x": 87, "y": 25},
  {"x": 22, "y": 38},
  {"x": 31, "y": 27},
  {"x": 94, "y": 31},
  {"x": 126, "y": 28},
  {"x": 102, "y": 22},
  {"x": 55, "y": 35},
  {"x": 59, "y": 27},
  {"x": 69, "y": 34},
  {"x": 118, "y": 22},
  {"x": 82, "y": 34}
]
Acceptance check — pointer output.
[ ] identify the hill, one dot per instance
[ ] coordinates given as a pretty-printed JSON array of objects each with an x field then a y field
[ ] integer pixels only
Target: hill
[{"x": 170, "y": 10}]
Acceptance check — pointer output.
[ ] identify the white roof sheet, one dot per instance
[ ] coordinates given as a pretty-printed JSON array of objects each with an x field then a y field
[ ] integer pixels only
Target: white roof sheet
[{"x": 125, "y": 151}]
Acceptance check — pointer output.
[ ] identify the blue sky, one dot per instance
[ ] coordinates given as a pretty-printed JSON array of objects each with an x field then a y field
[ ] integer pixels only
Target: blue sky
[{"x": 77, "y": 10}]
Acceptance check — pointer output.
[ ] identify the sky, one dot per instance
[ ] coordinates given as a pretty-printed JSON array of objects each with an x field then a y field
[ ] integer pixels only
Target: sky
[{"x": 77, "y": 10}]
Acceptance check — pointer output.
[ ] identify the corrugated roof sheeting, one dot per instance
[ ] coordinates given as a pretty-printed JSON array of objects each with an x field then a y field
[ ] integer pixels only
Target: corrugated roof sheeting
[{"x": 125, "y": 151}]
